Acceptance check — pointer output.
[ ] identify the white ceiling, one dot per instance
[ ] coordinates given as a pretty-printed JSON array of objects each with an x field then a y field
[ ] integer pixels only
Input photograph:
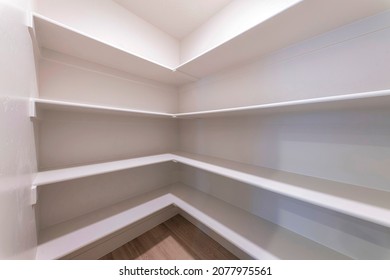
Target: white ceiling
[{"x": 175, "y": 17}]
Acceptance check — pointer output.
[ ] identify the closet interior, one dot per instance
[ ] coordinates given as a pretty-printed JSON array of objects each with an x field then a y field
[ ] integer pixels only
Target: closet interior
[{"x": 267, "y": 126}]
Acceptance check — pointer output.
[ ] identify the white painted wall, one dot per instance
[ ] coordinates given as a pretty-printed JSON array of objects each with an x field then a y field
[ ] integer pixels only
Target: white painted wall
[
  {"x": 109, "y": 22},
  {"x": 70, "y": 79},
  {"x": 17, "y": 150},
  {"x": 71, "y": 139},
  {"x": 350, "y": 59}
]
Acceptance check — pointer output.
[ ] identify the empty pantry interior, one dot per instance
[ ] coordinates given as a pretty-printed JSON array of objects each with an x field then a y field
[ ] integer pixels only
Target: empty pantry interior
[{"x": 266, "y": 123}]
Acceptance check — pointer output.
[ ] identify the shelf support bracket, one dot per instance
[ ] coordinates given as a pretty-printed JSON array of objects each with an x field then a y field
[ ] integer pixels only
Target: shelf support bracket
[
  {"x": 34, "y": 195},
  {"x": 32, "y": 109}
]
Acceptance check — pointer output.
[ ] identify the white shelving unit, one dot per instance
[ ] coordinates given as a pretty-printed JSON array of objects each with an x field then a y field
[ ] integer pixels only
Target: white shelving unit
[
  {"x": 364, "y": 203},
  {"x": 256, "y": 237},
  {"x": 246, "y": 231}
]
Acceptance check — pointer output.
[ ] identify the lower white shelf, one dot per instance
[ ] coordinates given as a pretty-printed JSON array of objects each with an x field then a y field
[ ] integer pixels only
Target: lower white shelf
[
  {"x": 360, "y": 202},
  {"x": 364, "y": 203},
  {"x": 256, "y": 237}
]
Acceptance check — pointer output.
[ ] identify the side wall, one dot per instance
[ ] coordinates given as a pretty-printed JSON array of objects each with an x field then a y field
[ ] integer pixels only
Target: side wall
[{"x": 17, "y": 150}]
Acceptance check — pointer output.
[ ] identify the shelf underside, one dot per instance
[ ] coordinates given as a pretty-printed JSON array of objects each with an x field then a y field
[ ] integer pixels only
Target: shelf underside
[
  {"x": 246, "y": 45},
  {"x": 364, "y": 203},
  {"x": 257, "y": 237},
  {"x": 57, "y": 37}
]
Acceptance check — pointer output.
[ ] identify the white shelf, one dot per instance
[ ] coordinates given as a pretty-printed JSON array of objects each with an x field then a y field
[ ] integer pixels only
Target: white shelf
[
  {"x": 253, "y": 235},
  {"x": 66, "y": 174},
  {"x": 44, "y": 104},
  {"x": 63, "y": 39},
  {"x": 364, "y": 100},
  {"x": 62, "y": 239},
  {"x": 299, "y": 22},
  {"x": 364, "y": 203},
  {"x": 245, "y": 46}
]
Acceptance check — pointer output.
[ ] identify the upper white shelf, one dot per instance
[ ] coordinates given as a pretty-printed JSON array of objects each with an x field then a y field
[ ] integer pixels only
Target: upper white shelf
[
  {"x": 63, "y": 39},
  {"x": 301, "y": 21},
  {"x": 43, "y": 104},
  {"x": 364, "y": 203},
  {"x": 245, "y": 46}
]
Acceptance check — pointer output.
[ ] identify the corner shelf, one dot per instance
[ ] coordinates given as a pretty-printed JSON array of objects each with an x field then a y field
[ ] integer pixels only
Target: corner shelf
[
  {"x": 44, "y": 104},
  {"x": 248, "y": 232},
  {"x": 356, "y": 201},
  {"x": 58, "y": 37},
  {"x": 364, "y": 100},
  {"x": 55, "y": 36}
]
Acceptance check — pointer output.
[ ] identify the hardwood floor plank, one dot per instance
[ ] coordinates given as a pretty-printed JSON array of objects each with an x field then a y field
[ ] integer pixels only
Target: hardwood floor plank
[{"x": 176, "y": 239}]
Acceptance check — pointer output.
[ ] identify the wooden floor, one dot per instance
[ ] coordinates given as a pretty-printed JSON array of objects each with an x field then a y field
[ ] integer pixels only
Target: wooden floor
[{"x": 176, "y": 239}]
